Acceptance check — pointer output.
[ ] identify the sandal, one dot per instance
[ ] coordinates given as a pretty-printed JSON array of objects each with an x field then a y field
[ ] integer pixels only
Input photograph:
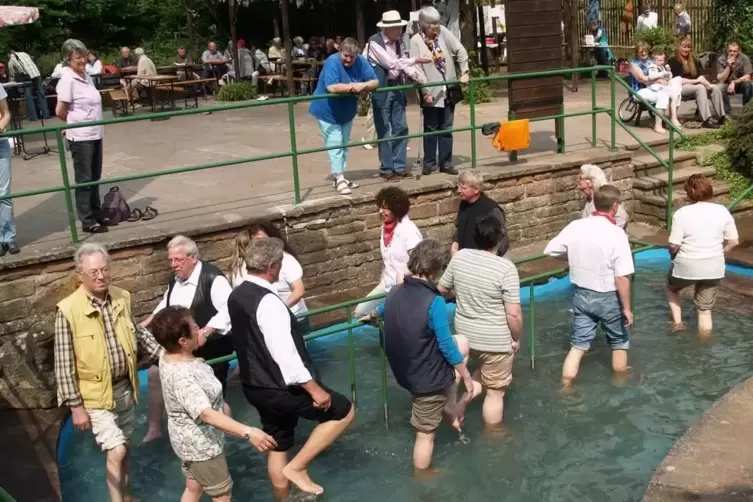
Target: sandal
[
  {"x": 135, "y": 215},
  {"x": 342, "y": 187},
  {"x": 149, "y": 213}
]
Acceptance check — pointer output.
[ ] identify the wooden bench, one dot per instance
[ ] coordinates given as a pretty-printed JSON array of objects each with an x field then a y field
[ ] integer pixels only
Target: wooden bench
[{"x": 120, "y": 101}]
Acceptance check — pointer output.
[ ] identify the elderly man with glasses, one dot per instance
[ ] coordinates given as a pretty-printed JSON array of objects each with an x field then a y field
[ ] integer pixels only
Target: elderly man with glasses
[
  {"x": 202, "y": 287},
  {"x": 97, "y": 348}
]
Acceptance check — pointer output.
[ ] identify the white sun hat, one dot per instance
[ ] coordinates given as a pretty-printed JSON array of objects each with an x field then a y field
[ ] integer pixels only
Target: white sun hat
[{"x": 391, "y": 18}]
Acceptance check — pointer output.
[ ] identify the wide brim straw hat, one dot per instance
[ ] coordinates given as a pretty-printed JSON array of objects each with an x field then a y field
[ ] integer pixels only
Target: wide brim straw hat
[{"x": 391, "y": 18}]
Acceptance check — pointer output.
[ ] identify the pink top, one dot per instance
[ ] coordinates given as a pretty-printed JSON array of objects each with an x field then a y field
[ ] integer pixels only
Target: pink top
[
  {"x": 388, "y": 59},
  {"x": 84, "y": 104}
]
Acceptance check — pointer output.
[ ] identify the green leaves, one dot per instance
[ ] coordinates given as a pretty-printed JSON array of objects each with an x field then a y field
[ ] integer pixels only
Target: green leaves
[{"x": 237, "y": 91}]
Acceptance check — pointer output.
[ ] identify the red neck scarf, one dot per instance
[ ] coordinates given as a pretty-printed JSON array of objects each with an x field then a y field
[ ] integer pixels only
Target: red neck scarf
[
  {"x": 388, "y": 231},
  {"x": 605, "y": 215}
]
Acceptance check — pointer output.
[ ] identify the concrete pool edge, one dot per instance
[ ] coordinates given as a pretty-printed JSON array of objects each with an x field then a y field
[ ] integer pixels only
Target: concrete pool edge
[
  {"x": 712, "y": 460},
  {"x": 654, "y": 258}
]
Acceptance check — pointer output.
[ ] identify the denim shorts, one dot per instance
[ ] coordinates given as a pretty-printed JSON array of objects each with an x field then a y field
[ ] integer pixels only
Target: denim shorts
[{"x": 590, "y": 308}]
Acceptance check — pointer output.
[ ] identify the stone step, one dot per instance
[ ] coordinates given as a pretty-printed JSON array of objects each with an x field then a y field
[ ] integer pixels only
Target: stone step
[
  {"x": 657, "y": 183},
  {"x": 646, "y": 164}
]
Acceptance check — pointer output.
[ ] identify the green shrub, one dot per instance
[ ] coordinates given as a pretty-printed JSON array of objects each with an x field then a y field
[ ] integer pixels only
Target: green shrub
[
  {"x": 364, "y": 103},
  {"x": 483, "y": 91},
  {"x": 657, "y": 38},
  {"x": 740, "y": 143},
  {"x": 237, "y": 91}
]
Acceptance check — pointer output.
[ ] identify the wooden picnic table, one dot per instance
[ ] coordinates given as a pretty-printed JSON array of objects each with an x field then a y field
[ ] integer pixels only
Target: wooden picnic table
[{"x": 157, "y": 82}]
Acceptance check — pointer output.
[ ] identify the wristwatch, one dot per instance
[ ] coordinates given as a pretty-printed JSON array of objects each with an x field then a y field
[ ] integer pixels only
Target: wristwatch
[{"x": 247, "y": 435}]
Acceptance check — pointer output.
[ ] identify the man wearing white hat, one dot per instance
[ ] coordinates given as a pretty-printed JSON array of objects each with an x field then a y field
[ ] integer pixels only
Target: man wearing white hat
[{"x": 387, "y": 54}]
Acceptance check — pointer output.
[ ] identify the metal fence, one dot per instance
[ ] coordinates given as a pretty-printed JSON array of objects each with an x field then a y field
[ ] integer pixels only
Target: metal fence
[
  {"x": 294, "y": 153},
  {"x": 620, "y": 33}
]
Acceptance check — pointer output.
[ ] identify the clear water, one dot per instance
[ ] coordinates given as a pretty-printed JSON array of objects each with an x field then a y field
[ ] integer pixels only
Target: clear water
[{"x": 599, "y": 443}]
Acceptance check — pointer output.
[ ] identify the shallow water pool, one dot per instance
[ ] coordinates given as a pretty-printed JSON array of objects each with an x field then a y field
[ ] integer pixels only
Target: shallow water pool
[{"x": 599, "y": 443}]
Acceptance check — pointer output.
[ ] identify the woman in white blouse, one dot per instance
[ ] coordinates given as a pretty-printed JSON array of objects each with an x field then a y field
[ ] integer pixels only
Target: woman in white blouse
[
  {"x": 93, "y": 65},
  {"x": 702, "y": 233},
  {"x": 290, "y": 284},
  {"x": 399, "y": 236}
]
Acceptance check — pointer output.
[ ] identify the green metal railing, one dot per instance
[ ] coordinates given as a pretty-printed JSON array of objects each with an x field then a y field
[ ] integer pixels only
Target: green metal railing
[
  {"x": 294, "y": 153},
  {"x": 5, "y": 496},
  {"x": 351, "y": 324}
]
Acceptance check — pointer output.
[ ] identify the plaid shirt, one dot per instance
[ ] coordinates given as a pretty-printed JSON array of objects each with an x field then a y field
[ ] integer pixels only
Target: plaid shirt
[
  {"x": 65, "y": 358},
  {"x": 20, "y": 62}
]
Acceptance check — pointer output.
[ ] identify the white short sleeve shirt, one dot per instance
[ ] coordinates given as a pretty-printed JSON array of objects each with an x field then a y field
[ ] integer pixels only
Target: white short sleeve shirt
[{"x": 395, "y": 256}]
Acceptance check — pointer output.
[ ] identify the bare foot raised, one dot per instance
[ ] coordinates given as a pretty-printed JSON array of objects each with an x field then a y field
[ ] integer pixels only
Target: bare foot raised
[
  {"x": 302, "y": 480},
  {"x": 660, "y": 130},
  {"x": 151, "y": 435}
]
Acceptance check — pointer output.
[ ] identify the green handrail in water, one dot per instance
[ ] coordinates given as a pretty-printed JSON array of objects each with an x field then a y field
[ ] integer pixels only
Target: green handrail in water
[
  {"x": 294, "y": 152},
  {"x": 351, "y": 324}
]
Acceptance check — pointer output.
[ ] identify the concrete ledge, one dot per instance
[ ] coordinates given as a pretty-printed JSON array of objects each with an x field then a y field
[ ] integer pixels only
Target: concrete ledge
[{"x": 713, "y": 461}]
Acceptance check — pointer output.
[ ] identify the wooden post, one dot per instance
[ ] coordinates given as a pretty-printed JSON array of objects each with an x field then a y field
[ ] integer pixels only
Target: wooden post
[
  {"x": 287, "y": 43},
  {"x": 482, "y": 39},
  {"x": 233, "y": 16},
  {"x": 574, "y": 43}
]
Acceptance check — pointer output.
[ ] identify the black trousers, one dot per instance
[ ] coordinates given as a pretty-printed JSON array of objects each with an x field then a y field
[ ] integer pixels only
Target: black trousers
[
  {"x": 218, "y": 346},
  {"x": 87, "y": 166}
]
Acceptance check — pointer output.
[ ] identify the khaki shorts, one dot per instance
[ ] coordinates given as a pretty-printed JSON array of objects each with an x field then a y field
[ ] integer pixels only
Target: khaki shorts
[
  {"x": 428, "y": 411},
  {"x": 113, "y": 428},
  {"x": 495, "y": 368},
  {"x": 213, "y": 475},
  {"x": 705, "y": 290}
]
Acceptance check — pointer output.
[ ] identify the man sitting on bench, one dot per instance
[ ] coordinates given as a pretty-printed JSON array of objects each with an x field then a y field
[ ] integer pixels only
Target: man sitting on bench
[{"x": 734, "y": 71}]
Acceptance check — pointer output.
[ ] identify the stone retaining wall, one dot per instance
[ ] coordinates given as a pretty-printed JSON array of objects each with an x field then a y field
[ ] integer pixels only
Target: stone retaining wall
[{"x": 337, "y": 241}]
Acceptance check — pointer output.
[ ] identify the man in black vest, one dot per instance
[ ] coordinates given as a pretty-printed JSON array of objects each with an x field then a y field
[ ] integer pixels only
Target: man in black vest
[
  {"x": 201, "y": 287},
  {"x": 276, "y": 372},
  {"x": 475, "y": 205},
  {"x": 388, "y": 56}
]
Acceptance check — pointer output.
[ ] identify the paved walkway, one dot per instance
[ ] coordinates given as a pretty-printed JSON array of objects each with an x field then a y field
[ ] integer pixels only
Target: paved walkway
[{"x": 230, "y": 193}]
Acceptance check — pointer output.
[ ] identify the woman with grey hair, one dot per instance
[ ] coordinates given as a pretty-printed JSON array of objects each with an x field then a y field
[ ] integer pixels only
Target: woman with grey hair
[
  {"x": 438, "y": 44},
  {"x": 299, "y": 51},
  {"x": 80, "y": 101},
  {"x": 592, "y": 178}
]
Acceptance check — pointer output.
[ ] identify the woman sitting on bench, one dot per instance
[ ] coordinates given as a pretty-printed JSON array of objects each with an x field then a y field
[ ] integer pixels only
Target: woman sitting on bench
[{"x": 642, "y": 85}]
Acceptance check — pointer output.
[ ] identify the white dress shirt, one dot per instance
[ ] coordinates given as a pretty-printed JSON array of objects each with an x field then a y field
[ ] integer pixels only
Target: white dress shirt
[
  {"x": 597, "y": 251},
  {"x": 273, "y": 318},
  {"x": 395, "y": 256},
  {"x": 184, "y": 291}
]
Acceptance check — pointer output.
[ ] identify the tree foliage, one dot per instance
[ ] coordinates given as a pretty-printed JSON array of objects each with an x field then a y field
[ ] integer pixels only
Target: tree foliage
[{"x": 733, "y": 20}]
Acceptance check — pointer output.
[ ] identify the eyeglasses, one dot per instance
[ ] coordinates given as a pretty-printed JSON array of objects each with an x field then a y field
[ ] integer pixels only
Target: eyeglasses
[{"x": 105, "y": 272}]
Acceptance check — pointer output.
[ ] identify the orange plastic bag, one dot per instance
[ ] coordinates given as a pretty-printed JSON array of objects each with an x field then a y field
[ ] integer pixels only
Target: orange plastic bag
[{"x": 513, "y": 135}]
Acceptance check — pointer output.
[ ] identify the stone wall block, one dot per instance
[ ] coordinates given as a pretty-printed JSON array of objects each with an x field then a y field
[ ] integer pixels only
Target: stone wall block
[
  {"x": 540, "y": 188},
  {"x": 59, "y": 266},
  {"x": 373, "y": 221},
  {"x": 423, "y": 211},
  {"x": 156, "y": 262},
  {"x": 120, "y": 269},
  {"x": 215, "y": 251},
  {"x": 449, "y": 205},
  {"x": 566, "y": 183},
  {"x": 16, "y": 289},
  {"x": 622, "y": 171},
  {"x": 124, "y": 254},
  {"x": 437, "y": 196},
  {"x": 56, "y": 277},
  {"x": 443, "y": 233},
  {"x": 530, "y": 203},
  {"x": 10, "y": 310},
  {"x": 508, "y": 194},
  {"x": 307, "y": 242},
  {"x": 363, "y": 236},
  {"x": 506, "y": 183},
  {"x": 348, "y": 228}
]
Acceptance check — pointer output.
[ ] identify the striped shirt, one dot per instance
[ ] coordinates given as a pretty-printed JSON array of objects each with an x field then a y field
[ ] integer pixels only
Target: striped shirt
[
  {"x": 20, "y": 62},
  {"x": 483, "y": 283}
]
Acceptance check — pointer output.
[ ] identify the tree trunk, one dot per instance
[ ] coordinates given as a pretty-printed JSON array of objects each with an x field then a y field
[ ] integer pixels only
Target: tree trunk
[
  {"x": 276, "y": 24},
  {"x": 360, "y": 23},
  {"x": 189, "y": 28},
  {"x": 467, "y": 29},
  {"x": 288, "y": 47},
  {"x": 233, "y": 16}
]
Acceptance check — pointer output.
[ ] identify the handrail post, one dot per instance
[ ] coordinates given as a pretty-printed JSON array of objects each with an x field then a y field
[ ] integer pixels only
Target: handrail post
[
  {"x": 383, "y": 368},
  {"x": 67, "y": 186},
  {"x": 351, "y": 356},
  {"x": 613, "y": 98},
  {"x": 593, "y": 107},
  {"x": 294, "y": 151},
  {"x": 512, "y": 156},
  {"x": 671, "y": 178},
  {"x": 532, "y": 325},
  {"x": 472, "y": 103}
]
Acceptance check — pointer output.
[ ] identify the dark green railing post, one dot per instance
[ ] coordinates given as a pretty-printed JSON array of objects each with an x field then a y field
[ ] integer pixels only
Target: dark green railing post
[
  {"x": 383, "y": 368},
  {"x": 613, "y": 106},
  {"x": 532, "y": 325},
  {"x": 67, "y": 186},
  {"x": 671, "y": 178},
  {"x": 593, "y": 107},
  {"x": 513, "y": 156},
  {"x": 472, "y": 103},
  {"x": 351, "y": 356},
  {"x": 294, "y": 151}
]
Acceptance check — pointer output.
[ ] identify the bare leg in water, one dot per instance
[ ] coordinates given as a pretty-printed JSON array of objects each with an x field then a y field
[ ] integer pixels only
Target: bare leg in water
[
  {"x": 296, "y": 471},
  {"x": 455, "y": 409}
]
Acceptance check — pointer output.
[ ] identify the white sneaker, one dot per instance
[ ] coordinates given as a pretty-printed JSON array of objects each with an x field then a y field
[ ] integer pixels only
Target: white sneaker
[
  {"x": 367, "y": 146},
  {"x": 343, "y": 186}
]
